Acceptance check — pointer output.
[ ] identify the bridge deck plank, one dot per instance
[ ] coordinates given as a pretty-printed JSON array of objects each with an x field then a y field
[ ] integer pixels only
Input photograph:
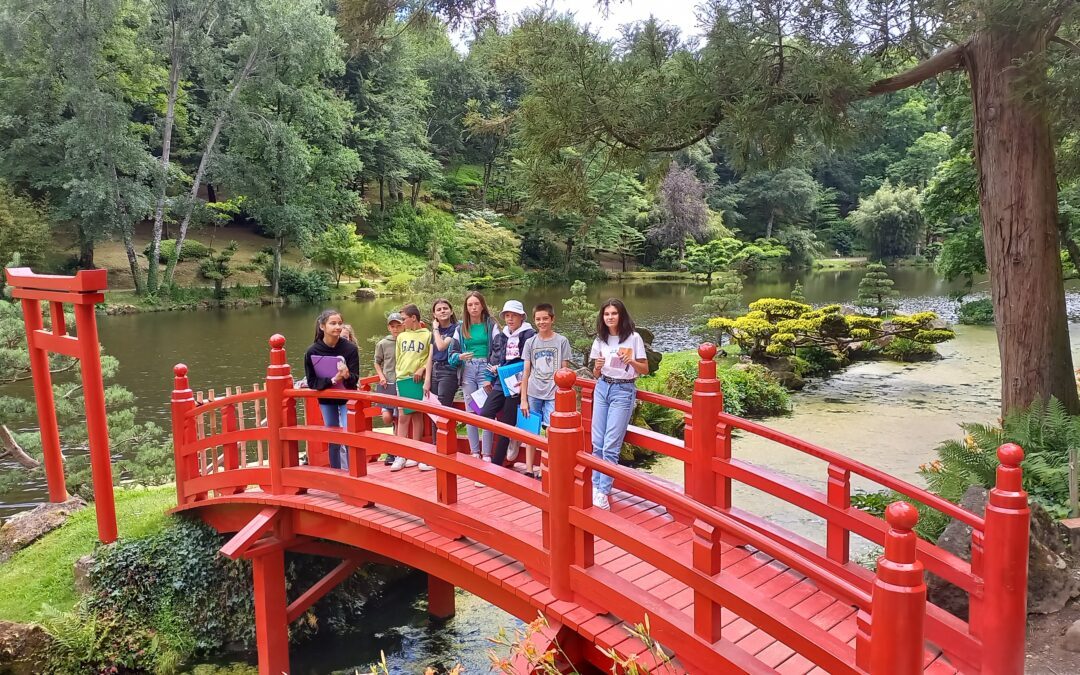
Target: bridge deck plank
[{"x": 768, "y": 577}]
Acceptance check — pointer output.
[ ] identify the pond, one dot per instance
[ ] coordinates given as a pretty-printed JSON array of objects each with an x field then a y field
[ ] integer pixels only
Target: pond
[{"x": 888, "y": 415}]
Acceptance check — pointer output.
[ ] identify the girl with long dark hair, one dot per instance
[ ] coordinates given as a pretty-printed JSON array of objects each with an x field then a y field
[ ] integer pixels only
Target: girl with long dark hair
[
  {"x": 332, "y": 362},
  {"x": 471, "y": 350},
  {"x": 443, "y": 377},
  {"x": 618, "y": 355}
]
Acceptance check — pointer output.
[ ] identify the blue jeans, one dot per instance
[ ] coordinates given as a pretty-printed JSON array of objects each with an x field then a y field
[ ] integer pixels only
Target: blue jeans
[
  {"x": 544, "y": 407},
  {"x": 473, "y": 378},
  {"x": 613, "y": 404},
  {"x": 336, "y": 415}
]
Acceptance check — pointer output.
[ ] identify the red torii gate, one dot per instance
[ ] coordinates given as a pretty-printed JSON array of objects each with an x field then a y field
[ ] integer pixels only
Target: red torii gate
[{"x": 84, "y": 291}]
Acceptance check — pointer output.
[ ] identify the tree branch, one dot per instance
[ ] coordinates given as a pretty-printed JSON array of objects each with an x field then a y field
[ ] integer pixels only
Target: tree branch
[
  {"x": 1072, "y": 46},
  {"x": 946, "y": 60},
  {"x": 10, "y": 447}
]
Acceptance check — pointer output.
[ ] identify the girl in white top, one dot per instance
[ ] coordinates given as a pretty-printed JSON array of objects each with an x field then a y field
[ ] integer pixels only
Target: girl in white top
[{"x": 618, "y": 355}]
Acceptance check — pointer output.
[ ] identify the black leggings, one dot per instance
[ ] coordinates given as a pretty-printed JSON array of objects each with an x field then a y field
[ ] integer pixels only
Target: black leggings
[
  {"x": 504, "y": 409},
  {"x": 444, "y": 384}
]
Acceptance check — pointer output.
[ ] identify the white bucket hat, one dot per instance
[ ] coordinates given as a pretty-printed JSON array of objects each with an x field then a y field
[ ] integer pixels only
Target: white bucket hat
[{"x": 514, "y": 306}]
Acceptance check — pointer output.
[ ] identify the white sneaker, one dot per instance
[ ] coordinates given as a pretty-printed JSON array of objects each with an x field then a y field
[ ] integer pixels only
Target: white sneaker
[
  {"x": 600, "y": 501},
  {"x": 477, "y": 483},
  {"x": 410, "y": 463},
  {"x": 426, "y": 467},
  {"x": 487, "y": 458},
  {"x": 476, "y": 455},
  {"x": 512, "y": 453},
  {"x": 398, "y": 465}
]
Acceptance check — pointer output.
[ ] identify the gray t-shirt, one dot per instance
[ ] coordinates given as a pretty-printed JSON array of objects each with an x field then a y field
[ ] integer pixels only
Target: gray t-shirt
[
  {"x": 545, "y": 358},
  {"x": 386, "y": 357}
]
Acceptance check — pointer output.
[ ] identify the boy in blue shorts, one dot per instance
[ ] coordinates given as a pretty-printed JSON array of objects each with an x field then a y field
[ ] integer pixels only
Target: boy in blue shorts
[{"x": 544, "y": 354}]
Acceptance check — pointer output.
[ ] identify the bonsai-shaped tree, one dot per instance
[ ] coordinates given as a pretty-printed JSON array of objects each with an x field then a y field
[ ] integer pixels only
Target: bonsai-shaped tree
[
  {"x": 876, "y": 291},
  {"x": 216, "y": 268},
  {"x": 797, "y": 293}
]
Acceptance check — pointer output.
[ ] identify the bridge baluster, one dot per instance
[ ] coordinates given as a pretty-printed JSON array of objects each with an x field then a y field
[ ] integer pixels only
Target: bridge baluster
[
  {"x": 446, "y": 483},
  {"x": 278, "y": 379},
  {"x": 898, "y": 608},
  {"x": 564, "y": 441},
  {"x": 706, "y": 554},
  {"x": 183, "y": 400},
  {"x": 707, "y": 402},
  {"x": 999, "y": 619},
  {"x": 837, "y": 537}
]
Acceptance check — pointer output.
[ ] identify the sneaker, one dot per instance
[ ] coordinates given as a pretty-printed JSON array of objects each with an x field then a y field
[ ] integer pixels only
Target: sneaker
[
  {"x": 512, "y": 453},
  {"x": 477, "y": 483},
  {"x": 533, "y": 474},
  {"x": 426, "y": 467},
  {"x": 487, "y": 458},
  {"x": 389, "y": 460},
  {"x": 398, "y": 465},
  {"x": 600, "y": 501},
  {"x": 410, "y": 463},
  {"x": 476, "y": 455}
]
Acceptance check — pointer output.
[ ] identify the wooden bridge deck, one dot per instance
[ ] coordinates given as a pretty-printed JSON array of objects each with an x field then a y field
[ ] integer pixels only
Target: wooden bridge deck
[{"x": 764, "y": 574}]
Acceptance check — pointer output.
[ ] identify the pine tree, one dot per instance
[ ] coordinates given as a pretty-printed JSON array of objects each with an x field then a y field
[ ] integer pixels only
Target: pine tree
[
  {"x": 797, "y": 293},
  {"x": 876, "y": 290},
  {"x": 725, "y": 299}
]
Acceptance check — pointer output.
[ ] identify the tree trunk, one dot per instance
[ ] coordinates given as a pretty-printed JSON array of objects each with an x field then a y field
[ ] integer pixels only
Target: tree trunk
[
  {"x": 623, "y": 256},
  {"x": 86, "y": 248},
  {"x": 204, "y": 161},
  {"x": 769, "y": 225},
  {"x": 1018, "y": 205},
  {"x": 175, "y": 58},
  {"x": 382, "y": 203},
  {"x": 414, "y": 193},
  {"x": 275, "y": 274},
  {"x": 484, "y": 183},
  {"x": 132, "y": 257}
]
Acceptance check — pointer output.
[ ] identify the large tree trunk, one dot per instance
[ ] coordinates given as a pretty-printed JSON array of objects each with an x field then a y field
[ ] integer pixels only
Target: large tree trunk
[
  {"x": 175, "y": 58},
  {"x": 275, "y": 280},
  {"x": 769, "y": 225},
  {"x": 86, "y": 248},
  {"x": 132, "y": 258},
  {"x": 1018, "y": 204}
]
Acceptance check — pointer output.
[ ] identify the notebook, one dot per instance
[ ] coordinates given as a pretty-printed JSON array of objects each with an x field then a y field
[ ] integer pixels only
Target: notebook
[
  {"x": 407, "y": 388},
  {"x": 530, "y": 423},
  {"x": 477, "y": 400}
]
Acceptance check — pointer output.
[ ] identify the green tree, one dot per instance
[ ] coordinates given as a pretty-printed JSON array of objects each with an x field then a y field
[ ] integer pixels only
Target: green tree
[
  {"x": 342, "y": 250},
  {"x": 711, "y": 257},
  {"x": 24, "y": 228},
  {"x": 489, "y": 247},
  {"x": 890, "y": 221},
  {"x": 797, "y": 293},
  {"x": 217, "y": 268},
  {"x": 771, "y": 199},
  {"x": 876, "y": 290},
  {"x": 921, "y": 160},
  {"x": 723, "y": 299}
]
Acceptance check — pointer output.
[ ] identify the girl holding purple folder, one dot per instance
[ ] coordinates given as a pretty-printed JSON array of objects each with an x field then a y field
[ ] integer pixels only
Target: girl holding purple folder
[{"x": 332, "y": 362}]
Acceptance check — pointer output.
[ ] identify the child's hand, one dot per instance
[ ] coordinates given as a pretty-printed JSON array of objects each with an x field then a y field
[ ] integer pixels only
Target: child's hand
[
  {"x": 626, "y": 354},
  {"x": 598, "y": 365},
  {"x": 524, "y": 409},
  {"x": 487, "y": 387},
  {"x": 342, "y": 370},
  {"x": 382, "y": 381},
  {"x": 465, "y": 356},
  {"x": 417, "y": 376}
]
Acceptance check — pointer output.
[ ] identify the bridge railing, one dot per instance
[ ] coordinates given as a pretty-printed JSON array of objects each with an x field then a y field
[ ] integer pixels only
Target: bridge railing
[{"x": 891, "y": 604}]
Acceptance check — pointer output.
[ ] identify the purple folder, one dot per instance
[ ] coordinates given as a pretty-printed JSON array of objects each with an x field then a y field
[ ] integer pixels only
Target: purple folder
[{"x": 327, "y": 366}]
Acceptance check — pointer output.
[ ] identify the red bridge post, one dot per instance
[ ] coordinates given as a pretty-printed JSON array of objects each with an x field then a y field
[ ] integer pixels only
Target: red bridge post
[
  {"x": 564, "y": 441},
  {"x": 898, "y": 608},
  {"x": 278, "y": 379},
  {"x": 1000, "y": 619},
  {"x": 706, "y": 404},
  {"x": 183, "y": 400}
]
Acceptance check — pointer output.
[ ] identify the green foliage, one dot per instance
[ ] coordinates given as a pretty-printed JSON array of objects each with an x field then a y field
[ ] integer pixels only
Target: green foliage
[
  {"x": 342, "y": 250},
  {"x": 400, "y": 283},
  {"x": 906, "y": 349},
  {"x": 486, "y": 246},
  {"x": 303, "y": 285},
  {"x": 890, "y": 221},
  {"x": 723, "y": 299},
  {"x": 24, "y": 228},
  {"x": 413, "y": 229},
  {"x": 797, "y": 293},
  {"x": 977, "y": 312},
  {"x": 578, "y": 319},
  {"x": 1049, "y": 436},
  {"x": 191, "y": 250},
  {"x": 217, "y": 268},
  {"x": 387, "y": 260},
  {"x": 963, "y": 255},
  {"x": 761, "y": 254},
  {"x": 711, "y": 257},
  {"x": 876, "y": 290}
]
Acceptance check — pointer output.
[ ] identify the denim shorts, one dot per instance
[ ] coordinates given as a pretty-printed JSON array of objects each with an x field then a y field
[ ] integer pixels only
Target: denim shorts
[{"x": 542, "y": 406}]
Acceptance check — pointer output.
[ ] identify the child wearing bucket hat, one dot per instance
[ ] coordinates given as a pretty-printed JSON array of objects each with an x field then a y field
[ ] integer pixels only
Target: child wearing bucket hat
[{"x": 506, "y": 349}]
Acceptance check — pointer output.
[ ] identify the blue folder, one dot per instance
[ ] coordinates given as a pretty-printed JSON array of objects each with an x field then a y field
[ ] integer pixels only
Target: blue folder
[
  {"x": 530, "y": 423},
  {"x": 508, "y": 371}
]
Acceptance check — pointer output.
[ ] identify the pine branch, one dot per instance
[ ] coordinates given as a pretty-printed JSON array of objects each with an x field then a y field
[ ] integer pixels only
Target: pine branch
[
  {"x": 944, "y": 61},
  {"x": 10, "y": 447}
]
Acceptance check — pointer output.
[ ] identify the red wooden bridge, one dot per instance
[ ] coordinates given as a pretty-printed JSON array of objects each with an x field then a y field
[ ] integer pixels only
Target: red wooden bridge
[{"x": 724, "y": 589}]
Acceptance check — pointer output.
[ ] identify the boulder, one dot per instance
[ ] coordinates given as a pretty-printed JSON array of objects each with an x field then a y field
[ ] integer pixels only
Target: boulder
[
  {"x": 1071, "y": 641},
  {"x": 22, "y": 648},
  {"x": 789, "y": 380},
  {"x": 25, "y": 528},
  {"x": 366, "y": 294},
  {"x": 82, "y": 574},
  {"x": 1053, "y": 574}
]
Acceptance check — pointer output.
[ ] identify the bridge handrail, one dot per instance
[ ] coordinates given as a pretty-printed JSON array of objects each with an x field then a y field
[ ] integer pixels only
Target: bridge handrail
[{"x": 857, "y": 467}]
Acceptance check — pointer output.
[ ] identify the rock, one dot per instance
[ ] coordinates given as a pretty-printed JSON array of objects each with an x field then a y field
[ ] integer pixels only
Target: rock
[
  {"x": 25, "y": 528},
  {"x": 789, "y": 380},
  {"x": 1053, "y": 576},
  {"x": 1071, "y": 642},
  {"x": 82, "y": 574},
  {"x": 366, "y": 294},
  {"x": 22, "y": 648}
]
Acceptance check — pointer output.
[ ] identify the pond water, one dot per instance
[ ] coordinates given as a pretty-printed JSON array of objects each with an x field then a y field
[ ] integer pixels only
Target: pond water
[{"x": 888, "y": 415}]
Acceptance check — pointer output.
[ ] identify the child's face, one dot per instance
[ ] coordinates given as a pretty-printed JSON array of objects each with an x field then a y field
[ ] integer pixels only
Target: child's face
[
  {"x": 333, "y": 326},
  {"x": 512, "y": 320},
  {"x": 442, "y": 312},
  {"x": 543, "y": 321},
  {"x": 394, "y": 327},
  {"x": 411, "y": 322}
]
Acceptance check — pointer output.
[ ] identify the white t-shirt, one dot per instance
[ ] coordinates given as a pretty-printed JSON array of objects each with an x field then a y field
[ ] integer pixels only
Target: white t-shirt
[{"x": 614, "y": 365}]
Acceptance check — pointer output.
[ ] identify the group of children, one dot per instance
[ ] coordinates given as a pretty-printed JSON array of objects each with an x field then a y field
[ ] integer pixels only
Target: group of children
[{"x": 473, "y": 355}]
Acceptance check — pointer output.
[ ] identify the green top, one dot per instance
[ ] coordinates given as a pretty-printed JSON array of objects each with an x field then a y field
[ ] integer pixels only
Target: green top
[{"x": 477, "y": 342}]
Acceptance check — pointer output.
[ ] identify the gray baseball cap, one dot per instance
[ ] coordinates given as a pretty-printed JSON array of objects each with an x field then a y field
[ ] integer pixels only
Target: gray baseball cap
[{"x": 395, "y": 316}]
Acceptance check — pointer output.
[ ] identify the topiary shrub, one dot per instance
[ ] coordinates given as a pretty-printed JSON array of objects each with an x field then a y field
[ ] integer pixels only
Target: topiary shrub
[
  {"x": 977, "y": 312},
  {"x": 192, "y": 250},
  {"x": 903, "y": 349},
  {"x": 304, "y": 285}
]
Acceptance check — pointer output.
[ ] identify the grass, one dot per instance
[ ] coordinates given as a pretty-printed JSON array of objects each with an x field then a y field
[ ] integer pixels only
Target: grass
[
  {"x": 43, "y": 573},
  {"x": 839, "y": 263},
  {"x": 392, "y": 261}
]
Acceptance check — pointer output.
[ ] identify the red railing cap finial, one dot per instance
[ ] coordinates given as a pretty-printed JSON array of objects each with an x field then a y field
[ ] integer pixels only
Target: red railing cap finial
[
  {"x": 707, "y": 351},
  {"x": 565, "y": 378},
  {"x": 1010, "y": 454},
  {"x": 180, "y": 370},
  {"x": 277, "y": 341},
  {"x": 901, "y": 516}
]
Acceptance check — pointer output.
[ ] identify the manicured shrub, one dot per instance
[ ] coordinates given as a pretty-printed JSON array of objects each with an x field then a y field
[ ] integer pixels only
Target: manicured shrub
[
  {"x": 192, "y": 250},
  {"x": 304, "y": 285},
  {"x": 977, "y": 312}
]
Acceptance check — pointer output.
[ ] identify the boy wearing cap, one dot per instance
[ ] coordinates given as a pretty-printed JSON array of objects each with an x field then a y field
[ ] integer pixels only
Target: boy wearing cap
[
  {"x": 506, "y": 348},
  {"x": 385, "y": 368}
]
